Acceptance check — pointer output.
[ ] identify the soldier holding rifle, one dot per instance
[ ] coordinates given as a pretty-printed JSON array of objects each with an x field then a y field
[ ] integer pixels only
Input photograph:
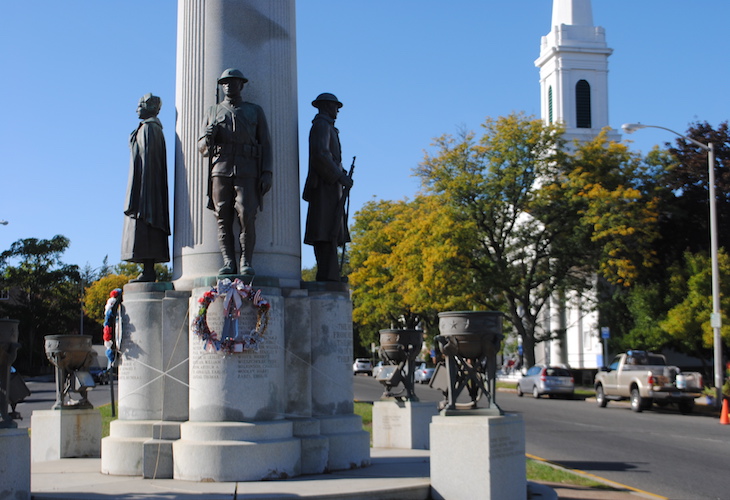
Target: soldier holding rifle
[
  {"x": 325, "y": 189},
  {"x": 235, "y": 138}
]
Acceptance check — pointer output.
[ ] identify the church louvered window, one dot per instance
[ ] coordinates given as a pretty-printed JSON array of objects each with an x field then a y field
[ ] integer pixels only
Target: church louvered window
[
  {"x": 583, "y": 104},
  {"x": 550, "y": 105}
]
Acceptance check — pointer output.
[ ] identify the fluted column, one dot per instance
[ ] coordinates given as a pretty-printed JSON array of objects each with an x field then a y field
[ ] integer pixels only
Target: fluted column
[{"x": 259, "y": 38}]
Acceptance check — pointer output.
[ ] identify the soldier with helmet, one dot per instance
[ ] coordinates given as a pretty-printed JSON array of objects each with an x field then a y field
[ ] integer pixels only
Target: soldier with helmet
[
  {"x": 326, "y": 228},
  {"x": 235, "y": 137}
]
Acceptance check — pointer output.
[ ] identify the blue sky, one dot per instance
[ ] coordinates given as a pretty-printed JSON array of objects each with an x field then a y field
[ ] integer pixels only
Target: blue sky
[{"x": 407, "y": 71}]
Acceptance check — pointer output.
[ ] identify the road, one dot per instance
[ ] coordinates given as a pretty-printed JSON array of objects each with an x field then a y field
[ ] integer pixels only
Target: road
[
  {"x": 681, "y": 457},
  {"x": 43, "y": 395}
]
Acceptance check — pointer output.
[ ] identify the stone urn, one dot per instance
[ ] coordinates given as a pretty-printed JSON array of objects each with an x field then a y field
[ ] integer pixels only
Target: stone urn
[
  {"x": 470, "y": 341},
  {"x": 399, "y": 349},
  {"x": 8, "y": 351},
  {"x": 400, "y": 345},
  {"x": 471, "y": 334},
  {"x": 71, "y": 355}
]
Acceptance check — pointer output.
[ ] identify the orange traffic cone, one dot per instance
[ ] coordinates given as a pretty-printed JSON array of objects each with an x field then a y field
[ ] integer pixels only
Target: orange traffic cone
[{"x": 723, "y": 415}]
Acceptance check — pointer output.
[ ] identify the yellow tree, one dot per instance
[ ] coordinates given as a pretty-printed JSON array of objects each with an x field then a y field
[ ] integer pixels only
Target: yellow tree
[{"x": 408, "y": 265}]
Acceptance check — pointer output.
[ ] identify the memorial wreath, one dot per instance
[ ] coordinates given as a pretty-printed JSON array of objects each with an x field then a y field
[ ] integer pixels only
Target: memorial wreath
[
  {"x": 110, "y": 318},
  {"x": 235, "y": 295}
]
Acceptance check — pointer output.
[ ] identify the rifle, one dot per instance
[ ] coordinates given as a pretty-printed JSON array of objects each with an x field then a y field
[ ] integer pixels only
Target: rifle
[
  {"x": 346, "y": 199},
  {"x": 211, "y": 147}
]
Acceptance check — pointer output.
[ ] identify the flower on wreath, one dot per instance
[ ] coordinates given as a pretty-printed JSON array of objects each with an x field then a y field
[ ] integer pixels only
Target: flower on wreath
[
  {"x": 110, "y": 316},
  {"x": 235, "y": 294}
]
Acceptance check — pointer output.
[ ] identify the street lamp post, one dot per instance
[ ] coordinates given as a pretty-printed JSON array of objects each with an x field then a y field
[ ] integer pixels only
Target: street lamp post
[{"x": 715, "y": 317}]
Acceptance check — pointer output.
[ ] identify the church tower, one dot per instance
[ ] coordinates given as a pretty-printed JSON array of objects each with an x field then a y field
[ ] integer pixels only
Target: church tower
[{"x": 573, "y": 66}]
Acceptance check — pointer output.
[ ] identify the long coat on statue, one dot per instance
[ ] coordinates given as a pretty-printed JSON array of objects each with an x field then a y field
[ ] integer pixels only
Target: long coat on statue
[
  {"x": 146, "y": 209},
  {"x": 326, "y": 215}
]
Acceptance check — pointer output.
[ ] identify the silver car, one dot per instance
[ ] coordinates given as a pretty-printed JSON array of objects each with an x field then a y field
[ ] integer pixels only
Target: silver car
[
  {"x": 550, "y": 380},
  {"x": 362, "y": 365}
]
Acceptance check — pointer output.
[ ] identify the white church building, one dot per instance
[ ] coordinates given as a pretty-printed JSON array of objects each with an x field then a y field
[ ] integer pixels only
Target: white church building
[{"x": 573, "y": 66}]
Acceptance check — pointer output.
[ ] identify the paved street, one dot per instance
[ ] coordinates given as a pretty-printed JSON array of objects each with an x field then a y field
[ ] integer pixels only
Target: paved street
[
  {"x": 681, "y": 457},
  {"x": 43, "y": 395}
]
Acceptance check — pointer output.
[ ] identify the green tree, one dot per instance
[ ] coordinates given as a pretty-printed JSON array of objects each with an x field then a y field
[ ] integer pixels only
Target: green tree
[
  {"x": 519, "y": 250},
  {"x": 688, "y": 322},
  {"x": 98, "y": 293},
  {"x": 407, "y": 266},
  {"x": 133, "y": 269},
  {"x": 688, "y": 227},
  {"x": 43, "y": 294},
  {"x": 544, "y": 221}
]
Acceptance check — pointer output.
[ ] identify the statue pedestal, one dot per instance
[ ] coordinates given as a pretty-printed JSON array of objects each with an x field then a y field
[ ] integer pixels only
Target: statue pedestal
[
  {"x": 65, "y": 434},
  {"x": 279, "y": 411},
  {"x": 15, "y": 464},
  {"x": 153, "y": 378},
  {"x": 402, "y": 424},
  {"x": 478, "y": 457}
]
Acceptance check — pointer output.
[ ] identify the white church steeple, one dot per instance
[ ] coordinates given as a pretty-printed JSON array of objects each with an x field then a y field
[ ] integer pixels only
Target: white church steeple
[{"x": 573, "y": 66}]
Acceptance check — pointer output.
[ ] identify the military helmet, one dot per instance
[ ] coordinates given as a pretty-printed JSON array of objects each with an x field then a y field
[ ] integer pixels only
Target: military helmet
[
  {"x": 324, "y": 98},
  {"x": 231, "y": 73}
]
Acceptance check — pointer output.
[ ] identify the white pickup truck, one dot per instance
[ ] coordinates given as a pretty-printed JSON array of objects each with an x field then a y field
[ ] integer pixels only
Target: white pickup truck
[{"x": 645, "y": 378}]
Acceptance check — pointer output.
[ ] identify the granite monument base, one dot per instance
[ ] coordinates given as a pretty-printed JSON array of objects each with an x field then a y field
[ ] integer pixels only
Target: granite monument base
[
  {"x": 402, "y": 424},
  {"x": 478, "y": 457},
  {"x": 236, "y": 451},
  {"x": 139, "y": 448},
  {"x": 349, "y": 444},
  {"x": 65, "y": 434},
  {"x": 15, "y": 464},
  {"x": 153, "y": 382}
]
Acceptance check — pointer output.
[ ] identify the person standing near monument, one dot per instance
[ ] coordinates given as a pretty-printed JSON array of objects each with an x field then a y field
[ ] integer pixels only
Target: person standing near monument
[
  {"x": 147, "y": 217},
  {"x": 235, "y": 138},
  {"x": 324, "y": 189}
]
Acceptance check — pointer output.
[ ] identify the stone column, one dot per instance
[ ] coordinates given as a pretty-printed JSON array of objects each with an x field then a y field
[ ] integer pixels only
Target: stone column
[{"x": 259, "y": 38}]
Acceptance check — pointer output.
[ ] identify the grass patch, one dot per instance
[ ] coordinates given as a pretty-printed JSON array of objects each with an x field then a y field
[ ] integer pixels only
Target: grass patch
[
  {"x": 106, "y": 418},
  {"x": 365, "y": 410},
  {"x": 543, "y": 472}
]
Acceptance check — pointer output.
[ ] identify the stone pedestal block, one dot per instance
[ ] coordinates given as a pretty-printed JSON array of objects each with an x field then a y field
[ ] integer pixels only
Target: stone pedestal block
[
  {"x": 14, "y": 464},
  {"x": 153, "y": 381},
  {"x": 315, "y": 448},
  {"x": 478, "y": 457},
  {"x": 349, "y": 444},
  {"x": 153, "y": 371},
  {"x": 236, "y": 451},
  {"x": 405, "y": 424},
  {"x": 298, "y": 333},
  {"x": 157, "y": 459},
  {"x": 65, "y": 434},
  {"x": 122, "y": 452},
  {"x": 331, "y": 330},
  {"x": 243, "y": 386}
]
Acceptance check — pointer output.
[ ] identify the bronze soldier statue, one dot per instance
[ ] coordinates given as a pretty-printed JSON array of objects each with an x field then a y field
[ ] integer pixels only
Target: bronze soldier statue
[
  {"x": 147, "y": 222},
  {"x": 235, "y": 138},
  {"x": 324, "y": 189}
]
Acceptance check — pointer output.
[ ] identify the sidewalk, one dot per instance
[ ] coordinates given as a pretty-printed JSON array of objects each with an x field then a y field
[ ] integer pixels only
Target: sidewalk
[{"x": 394, "y": 474}]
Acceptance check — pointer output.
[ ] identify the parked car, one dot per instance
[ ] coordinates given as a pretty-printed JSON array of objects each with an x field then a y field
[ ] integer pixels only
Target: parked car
[
  {"x": 645, "y": 378},
  {"x": 377, "y": 368},
  {"x": 423, "y": 374},
  {"x": 550, "y": 380},
  {"x": 362, "y": 365}
]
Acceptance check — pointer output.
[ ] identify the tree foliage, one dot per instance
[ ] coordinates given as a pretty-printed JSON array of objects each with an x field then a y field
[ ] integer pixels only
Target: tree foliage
[
  {"x": 407, "y": 266},
  {"x": 97, "y": 294},
  {"x": 43, "y": 294},
  {"x": 688, "y": 321}
]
